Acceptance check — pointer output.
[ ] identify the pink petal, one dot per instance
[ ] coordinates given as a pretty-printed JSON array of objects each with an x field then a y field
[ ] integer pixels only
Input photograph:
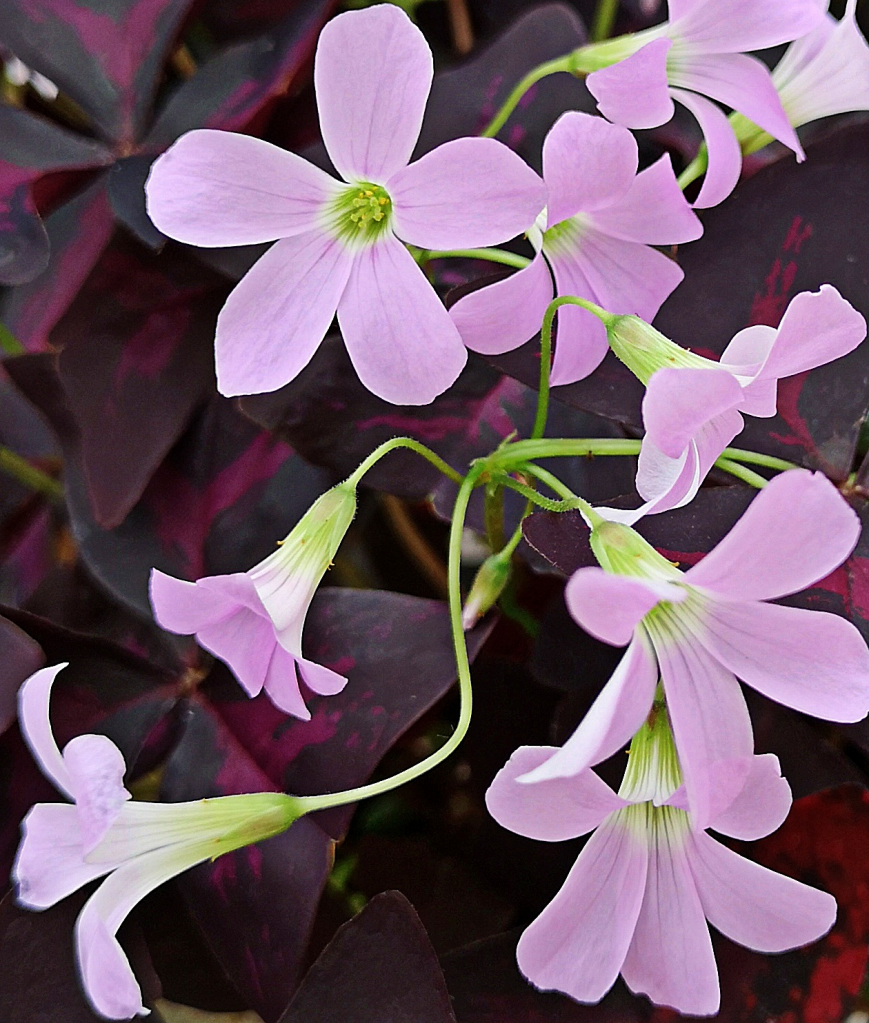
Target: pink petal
[
  {"x": 50, "y": 861},
  {"x": 245, "y": 642},
  {"x": 652, "y": 212},
  {"x": 813, "y": 661},
  {"x": 581, "y": 339},
  {"x": 320, "y": 679},
  {"x": 745, "y": 356},
  {"x": 400, "y": 338},
  {"x": 465, "y": 193},
  {"x": 588, "y": 164},
  {"x": 504, "y": 315},
  {"x": 707, "y": 711},
  {"x": 634, "y": 92},
  {"x": 725, "y": 154},
  {"x": 729, "y": 26},
  {"x": 817, "y": 327},
  {"x": 183, "y": 607},
  {"x": 755, "y": 906},
  {"x": 741, "y": 82},
  {"x": 215, "y": 188},
  {"x": 611, "y": 606},
  {"x": 277, "y": 315},
  {"x": 34, "y": 696},
  {"x": 795, "y": 532},
  {"x": 109, "y": 982},
  {"x": 238, "y": 588},
  {"x": 761, "y": 806},
  {"x": 96, "y": 769},
  {"x": 616, "y": 714},
  {"x": 548, "y": 811},
  {"x": 372, "y": 75},
  {"x": 679, "y": 401},
  {"x": 578, "y": 943},
  {"x": 281, "y": 684},
  {"x": 670, "y": 958}
]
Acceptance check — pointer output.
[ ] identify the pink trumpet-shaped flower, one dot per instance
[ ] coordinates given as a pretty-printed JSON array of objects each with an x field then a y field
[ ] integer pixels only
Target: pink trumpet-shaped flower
[
  {"x": 338, "y": 241},
  {"x": 699, "y": 53},
  {"x": 595, "y": 238},
  {"x": 697, "y": 631},
  {"x": 638, "y": 897},
  {"x": 253, "y": 621},
  {"x": 140, "y": 845},
  {"x": 694, "y": 409}
]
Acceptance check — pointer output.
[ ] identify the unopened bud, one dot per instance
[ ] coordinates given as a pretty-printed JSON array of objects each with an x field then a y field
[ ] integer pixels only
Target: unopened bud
[{"x": 489, "y": 582}]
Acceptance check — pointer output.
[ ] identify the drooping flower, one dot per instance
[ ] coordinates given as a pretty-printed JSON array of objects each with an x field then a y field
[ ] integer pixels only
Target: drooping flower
[
  {"x": 693, "y": 406},
  {"x": 701, "y": 52},
  {"x": 698, "y": 631},
  {"x": 338, "y": 241},
  {"x": 638, "y": 897},
  {"x": 253, "y": 621},
  {"x": 139, "y": 845},
  {"x": 594, "y": 237}
]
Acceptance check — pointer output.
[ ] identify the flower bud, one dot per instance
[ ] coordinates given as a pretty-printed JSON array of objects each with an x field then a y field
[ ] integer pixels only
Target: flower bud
[{"x": 489, "y": 582}]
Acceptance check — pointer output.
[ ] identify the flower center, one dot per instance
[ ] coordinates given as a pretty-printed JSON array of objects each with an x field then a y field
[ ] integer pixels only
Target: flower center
[
  {"x": 362, "y": 213},
  {"x": 562, "y": 239}
]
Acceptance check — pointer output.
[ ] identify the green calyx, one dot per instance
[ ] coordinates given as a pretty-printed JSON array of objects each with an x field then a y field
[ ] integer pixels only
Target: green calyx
[
  {"x": 645, "y": 350},
  {"x": 653, "y": 772},
  {"x": 621, "y": 550},
  {"x": 361, "y": 213}
]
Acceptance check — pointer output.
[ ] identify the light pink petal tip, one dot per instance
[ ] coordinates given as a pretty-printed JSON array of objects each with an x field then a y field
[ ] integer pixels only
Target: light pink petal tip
[
  {"x": 588, "y": 164},
  {"x": 731, "y": 26},
  {"x": 399, "y": 336},
  {"x": 611, "y": 606},
  {"x": 579, "y": 942},
  {"x": 634, "y": 92},
  {"x": 320, "y": 679},
  {"x": 504, "y": 315},
  {"x": 184, "y": 608},
  {"x": 725, "y": 153},
  {"x": 466, "y": 193},
  {"x": 216, "y": 188},
  {"x": 96, "y": 768},
  {"x": 277, "y": 315},
  {"x": 755, "y": 906},
  {"x": 372, "y": 74},
  {"x": 679, "y": 401},
  {"x": 34, "y": 697},
  {"x": 548, "y": 811},
  {"x": 761, "y": 805},
  {"x": 794, "y": 533}
]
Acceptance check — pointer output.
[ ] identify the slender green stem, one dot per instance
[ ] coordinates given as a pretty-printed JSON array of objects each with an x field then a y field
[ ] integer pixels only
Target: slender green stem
[
  {"x": 403, "y": 442},
  {"x": 741, "y": 473},
  {"x": 756, "y": 458},
  {"x": 35, "y": 479},
  {"x": 311, "y": 803},
  {"x": 492, "y": 255},
  {"x": 604, "y": 20},
  {"x": 549, "y": 480},
  {"x": 568, "y": 504},
  {"x": 493, "y": 517},
  {"x": 551, "y": 67},
  {"x": 696, "y": 168},
  {"x": 515, "y": 455}
]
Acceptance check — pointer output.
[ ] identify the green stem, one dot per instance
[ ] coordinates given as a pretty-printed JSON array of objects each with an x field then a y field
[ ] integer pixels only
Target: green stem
[
  {"x": 311, "y": 803},
  {"x": 493, "y": 517},
  {"x": 756, "y": 458},
  {"x": 741, "y": 473},
  {"x": 696, "y": 168},
  {"x": 551, "y": 67},
  {"x": 492, "y": 255},
  {"x": 573, "y": 503},
  {"x": 604, "y": 20},
  {"x": 514, "y": 455},
  {"x": 403, "y": 442},
  {"x": 20, "y": 469}
]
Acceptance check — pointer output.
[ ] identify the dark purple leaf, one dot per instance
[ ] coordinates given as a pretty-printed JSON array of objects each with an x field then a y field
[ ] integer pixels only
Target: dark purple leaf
[
  {"x": 21, "y": 657},
  {"x": 379, "y": 968},
  {"x": 107, "y": 55}
]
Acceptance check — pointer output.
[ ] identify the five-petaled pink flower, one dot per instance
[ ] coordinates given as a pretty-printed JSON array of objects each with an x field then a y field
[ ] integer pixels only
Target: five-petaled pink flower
[
  {"x": 638, "y": 897},
  {"x": 594, "y": 237},
  {"x": 700, "y": 52},
  {"x": 698, "y": 631},
  {"x": 139, "y": 845},
  {"x": 339, "y": 246}
]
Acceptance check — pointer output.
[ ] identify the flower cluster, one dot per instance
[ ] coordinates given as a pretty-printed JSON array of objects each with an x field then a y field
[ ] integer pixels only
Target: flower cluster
[{"x": 357, "y": 246}]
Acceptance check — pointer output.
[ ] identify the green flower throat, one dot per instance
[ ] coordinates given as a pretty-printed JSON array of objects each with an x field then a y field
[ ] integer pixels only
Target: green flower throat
[{"x": 361, "y": 213}]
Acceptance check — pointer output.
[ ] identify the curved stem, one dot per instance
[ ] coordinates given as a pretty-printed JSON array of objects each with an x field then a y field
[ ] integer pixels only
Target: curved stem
[
  {"x": 564, "y": 63},
  {"x": 756, "y": 458},
  {"x": 696, "y": 168},
  {"x": 569, "y": 504},
  {"x": 741, "y": 473},
  {"x": 403, "y": 442},
  {"x": 604, "y": 20},
  {"x": 35, "y": 479},
  {"x": 311, "y": 803},
  {"x": 492, "y": 255},
  {"x": 514, "y": 455}
]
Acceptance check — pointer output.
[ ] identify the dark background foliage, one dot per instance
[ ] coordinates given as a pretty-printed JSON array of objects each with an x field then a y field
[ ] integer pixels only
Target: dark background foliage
[{"x": 108, "y": 387}]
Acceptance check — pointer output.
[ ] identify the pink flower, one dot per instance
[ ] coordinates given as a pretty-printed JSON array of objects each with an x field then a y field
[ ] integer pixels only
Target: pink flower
[
  {"x": 140, "y": 845},
  {"x": 339, "y": 245},
  {"x": 253, "y": 620},
  {"x": 594, "y": 238},
  {"x": 699, "y": 52},
  {"x": 693, "y": 409},
  {"x": 638, "y": 897},
  {"x": 697, "y": 631}
]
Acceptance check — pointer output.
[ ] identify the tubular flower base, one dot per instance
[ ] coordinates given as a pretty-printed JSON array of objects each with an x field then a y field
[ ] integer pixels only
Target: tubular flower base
[
  {"x": 253, "y": 620},
  {"x": 339, "y": 246},
  {"x": 698, "y": 631},
  {"x": 638, "y": 897},
  {"x": 139, "y": 845},
  {"x": 595, "y": 237}
]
